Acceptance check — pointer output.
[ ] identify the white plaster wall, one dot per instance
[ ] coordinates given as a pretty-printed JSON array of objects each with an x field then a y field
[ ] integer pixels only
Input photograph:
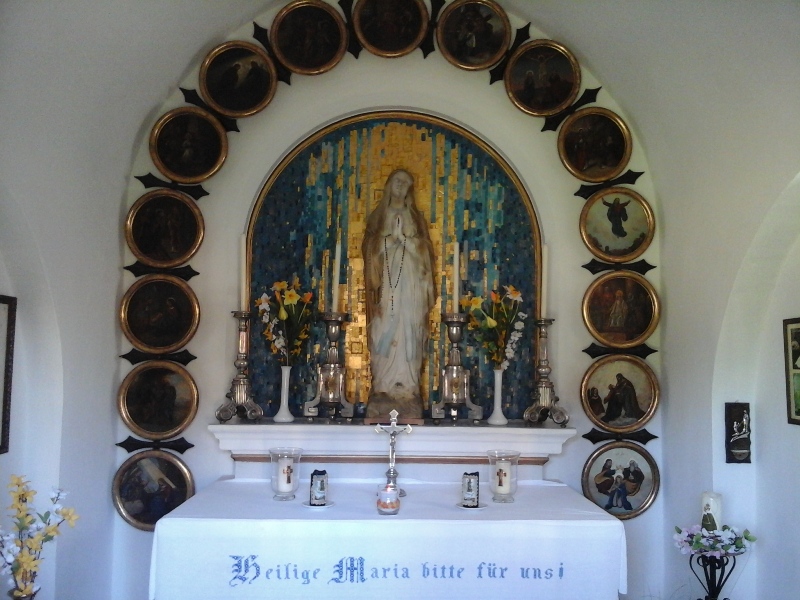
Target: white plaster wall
[{"x": 710, "y": 88}]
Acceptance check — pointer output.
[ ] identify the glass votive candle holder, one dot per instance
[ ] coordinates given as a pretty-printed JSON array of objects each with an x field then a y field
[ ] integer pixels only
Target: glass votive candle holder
[
  {"x": 285, "y": 472},
  {"x": 503, "y": 474}
]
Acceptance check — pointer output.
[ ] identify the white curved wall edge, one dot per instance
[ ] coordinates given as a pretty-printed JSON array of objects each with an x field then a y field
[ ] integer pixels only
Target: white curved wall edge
[{"x": 438, "y": 442}]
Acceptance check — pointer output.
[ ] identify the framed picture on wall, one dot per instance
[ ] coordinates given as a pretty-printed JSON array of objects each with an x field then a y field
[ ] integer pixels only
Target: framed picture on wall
[
  {"x": 149, "y": 485},
  {"x": 617, "y": 224},
  {"x": 8, "y": 316},
  {"x": 473, "y": 34},
  {"x": 390, "y": 29},
  {"x": 159, "y": 314},
  {"x": 622, "y": 478},
  {"x": 595, "y": 144},
  {"x": 791, "y": 350},
  {"x": 309, "y": 37}
]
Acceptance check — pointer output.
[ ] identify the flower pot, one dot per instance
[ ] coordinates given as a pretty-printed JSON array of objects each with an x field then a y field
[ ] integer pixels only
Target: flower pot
[
  {"x": 284, "y": 415},
  {"x": 497, "y": 417}
]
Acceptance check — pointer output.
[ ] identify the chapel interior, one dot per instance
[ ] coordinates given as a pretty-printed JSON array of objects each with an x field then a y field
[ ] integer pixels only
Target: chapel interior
[{"x": 709, "y": 92}]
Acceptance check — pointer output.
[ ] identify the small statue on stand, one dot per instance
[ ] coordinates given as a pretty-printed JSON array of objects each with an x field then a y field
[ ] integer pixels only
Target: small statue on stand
[{"x": 392, "y": 429}]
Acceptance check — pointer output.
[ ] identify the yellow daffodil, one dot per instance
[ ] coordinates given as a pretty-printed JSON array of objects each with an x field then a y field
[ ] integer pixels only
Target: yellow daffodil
[
  {"x": 490, "y": 322},
  {"x": 475, "y": 302},
  {"x": 513, "y": 293},
  {"x": 69, "y": 515},
  {"x": 282, "y": 314},
  {"x": 291, "y": 297},
  {"x": 279, "y": 286}
]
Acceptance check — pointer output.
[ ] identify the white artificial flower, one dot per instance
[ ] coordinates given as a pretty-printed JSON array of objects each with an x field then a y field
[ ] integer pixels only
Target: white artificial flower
[{"x": 519, "y": 325}]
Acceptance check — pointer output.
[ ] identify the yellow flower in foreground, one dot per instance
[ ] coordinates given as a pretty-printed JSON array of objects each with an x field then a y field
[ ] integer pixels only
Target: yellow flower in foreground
[
  {"x": 17, "y": 481},
  {"x": 279, "y": 286},
  {"x": 307, "y": 297},
  {"x": 69, "y": 515},
  {"x": 490, "y": 322},
  {"x": 291, "y": 297},
  {"x": 27, "y": 561}
]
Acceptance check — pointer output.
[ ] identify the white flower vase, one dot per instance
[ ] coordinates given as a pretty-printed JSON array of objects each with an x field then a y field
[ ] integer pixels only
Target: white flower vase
[
  {"x": 497, "y": 417},
  {"x": 284, "y": 415}
]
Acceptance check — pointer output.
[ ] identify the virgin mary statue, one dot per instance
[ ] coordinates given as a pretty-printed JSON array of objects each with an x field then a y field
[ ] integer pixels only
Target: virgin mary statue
[{"x": 398, "y": 274}]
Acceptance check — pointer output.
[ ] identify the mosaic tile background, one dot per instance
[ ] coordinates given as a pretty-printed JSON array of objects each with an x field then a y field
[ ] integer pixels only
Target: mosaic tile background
[{"x": 324, "y": 190}]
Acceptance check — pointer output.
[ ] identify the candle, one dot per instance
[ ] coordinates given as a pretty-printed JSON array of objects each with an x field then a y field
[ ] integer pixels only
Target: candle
[
  {"x": 711, "y": 506},
  {"x": 244, "y": 291},
  {"x": 456, "y": 276},
  {"x": 337, "y": 262},
  {"x": 543, "y": 307},
  {"x": 286, "y": 475},
  {"x": 501, "y": 477}
]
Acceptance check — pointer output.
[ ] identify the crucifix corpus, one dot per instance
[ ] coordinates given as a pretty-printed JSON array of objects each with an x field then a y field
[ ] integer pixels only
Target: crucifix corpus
[{"x": 393, "y": 429}]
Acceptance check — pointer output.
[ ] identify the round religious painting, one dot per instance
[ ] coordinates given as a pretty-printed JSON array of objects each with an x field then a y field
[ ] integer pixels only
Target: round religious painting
[
  {"x": 149, "y": 485},
  {"x": 188, "y": 144},
  {"x": 164, "y": 228},
  {"x": 542, "y": 78},
  {"x": 617, "y": 224},
  {"x": 158, "y": 399},
  {"x": 309, "y": 37},
  {"x": 622, "y": 478},
  {"x": 594, "y": 144},
  {"x": 390, "y": 28},
  {"x": 473, "y": 34},
  {"x": 619, "y": 393},
  {"x": 238, "y": 79},
  {"x": 159, "y": 314},
  {"x": 621, "y": 309}
]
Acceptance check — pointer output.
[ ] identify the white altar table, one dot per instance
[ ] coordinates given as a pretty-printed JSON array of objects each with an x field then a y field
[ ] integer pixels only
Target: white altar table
[{"x": 233, "y": 541}]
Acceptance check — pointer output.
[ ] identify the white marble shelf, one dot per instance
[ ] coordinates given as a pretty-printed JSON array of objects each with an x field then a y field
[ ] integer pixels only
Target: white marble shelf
[{"x": 426, "y": 442}]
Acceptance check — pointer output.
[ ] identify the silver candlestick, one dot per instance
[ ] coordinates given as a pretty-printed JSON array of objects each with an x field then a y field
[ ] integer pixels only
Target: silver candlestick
[
  {"x": 331, "y": 373},
  {"x": 454, "y": 388},
  {"x": 546, "y": 399},
  {"x": 392, "y": 429},
  {"x": 240, "y": 397}
]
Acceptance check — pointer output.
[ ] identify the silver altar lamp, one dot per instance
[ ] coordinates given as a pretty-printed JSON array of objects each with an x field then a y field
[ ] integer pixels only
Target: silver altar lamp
[
  {"x": 454, "y": 385},
  {"x": 240, "y": 397},
  {"x": 331, "y": 373},
  {"x": 545, "y": 405}
]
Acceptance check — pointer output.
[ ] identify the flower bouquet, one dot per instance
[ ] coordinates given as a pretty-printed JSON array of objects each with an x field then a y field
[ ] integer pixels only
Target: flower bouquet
[
  {"x": 712, "y": 551},
  {"x": 496, "y": 323},
  {"x": 21, "y": 548},
  {"x": 287, "y": 317}
]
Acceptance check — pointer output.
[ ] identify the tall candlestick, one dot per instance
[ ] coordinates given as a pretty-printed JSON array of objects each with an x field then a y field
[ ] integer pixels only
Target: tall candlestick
[
  {"x": 456, "y": 276},
  {"x": 337, "y": 262},
  {"x": 543, "y": 309},
  {"x": 244, "y": 291}
]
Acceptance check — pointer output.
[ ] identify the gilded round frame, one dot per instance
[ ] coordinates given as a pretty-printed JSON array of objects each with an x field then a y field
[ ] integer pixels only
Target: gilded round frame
[
  {"x": 130, "y": 491},
  {"x": 642, "y": 220},
  {"x": 209, "y": 77},
  {"x": 169, "y": 229},
  {"x": 282, "y": 42},
  {"x": 593, "y": 475},
  {"x": 621, "y": 325},
  {"x": 145, "y": 421},
  {"x": 456, "y": 56},
  {"x": 408, "y": 43},
  {"x": 595, "y": 144},
  {"x": 521, "y": 81},
  {"x": 637, "y": 375},
  {"x": 170, "y": 319},
  {"x": 188, "y": 144}
]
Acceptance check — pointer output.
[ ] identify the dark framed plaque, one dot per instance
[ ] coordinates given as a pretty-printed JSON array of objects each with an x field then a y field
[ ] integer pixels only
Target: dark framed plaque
[
  {"x": 149, "y": 485},
  {"x": 473, "y": 34},
  {"x": 159, "y": 314},
  {"x": 164, "y": 228},
  {"x": 309, "y": 37},
  {"x": 621, "y": 309},
  {"x": 617, "y": 224},
  {"x": 158, "y": 399},
  {"x": 619, "y": 393},
  {"x": 390, "y": 28},
  {"x": 791, "y": 352},
  {"x": 594, "y": 144},
  {"x": 8, "y": 319},
  {"x": 542, "y": 78},
  {"x": 622, "y": 478},
  {"x": 737, "y": 432},
  {"x": 238, "y": 79},
  {"x": 188, "y": 144}
]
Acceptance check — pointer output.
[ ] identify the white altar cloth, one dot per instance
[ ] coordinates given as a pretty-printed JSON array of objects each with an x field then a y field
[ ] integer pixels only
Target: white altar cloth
[{"x": 232, "y": 541}]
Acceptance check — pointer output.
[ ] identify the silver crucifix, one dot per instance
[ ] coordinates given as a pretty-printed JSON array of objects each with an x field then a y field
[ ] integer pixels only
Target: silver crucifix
[{"x": 392, "y": 429}]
